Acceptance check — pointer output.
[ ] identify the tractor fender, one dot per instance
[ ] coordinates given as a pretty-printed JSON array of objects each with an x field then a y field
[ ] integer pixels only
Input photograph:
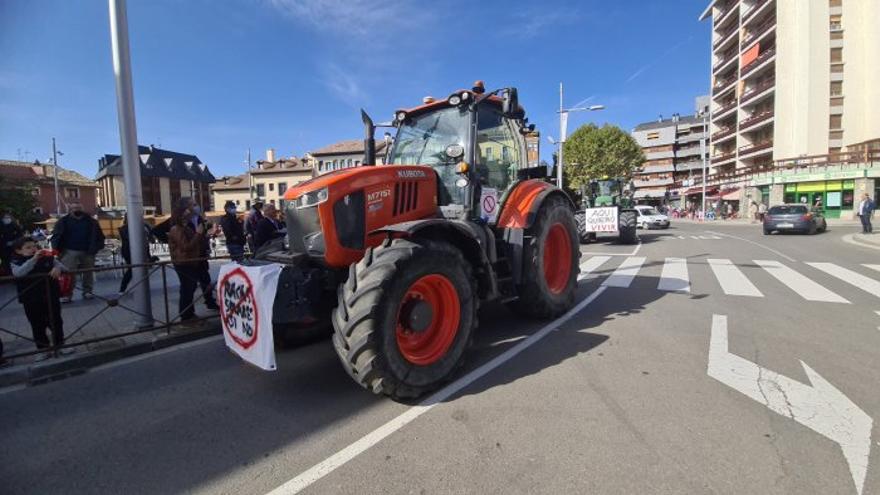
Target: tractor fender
[
  {"x": 475, "y": 241},
  {"x": 521, "y": 204},
  {"x": 519, "y": 210}
]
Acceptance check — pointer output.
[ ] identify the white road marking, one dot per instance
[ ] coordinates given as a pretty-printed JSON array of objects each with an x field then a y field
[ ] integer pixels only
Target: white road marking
[
  {"x": 820, "y": 407},
  {"x": 675, "y": 276},
  {"x": 806, "y": 288},
  {"x": 591, "y": 265},
  {"x": 625, "y": 273},
  {"x": 327, "y": 466},
  {"x": 732, "y": 280},
  {"x": 872, "y": 267},
  {"x": 633, "y": 253},
  {"x": 850, "y": 239},
  {"x": 681, "y": 237},
  {"x": 867, "y": 284},
  {"x": 789, "y": 258}
]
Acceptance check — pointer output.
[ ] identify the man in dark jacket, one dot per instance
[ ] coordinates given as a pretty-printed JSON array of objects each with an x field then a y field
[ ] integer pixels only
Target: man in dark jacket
[
  {"x": 250, "y": 223},
  {"x": 78, "y": 238},
  {"x": 10, "y": 231},
  {"x": 233, "y": 230},
  {"x": 268, "y": 228}
]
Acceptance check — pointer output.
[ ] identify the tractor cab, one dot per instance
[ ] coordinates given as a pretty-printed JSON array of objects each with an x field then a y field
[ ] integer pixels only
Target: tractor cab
[
  {"x": 473, "y": 140},
  {"x": 609, "y": 192}
]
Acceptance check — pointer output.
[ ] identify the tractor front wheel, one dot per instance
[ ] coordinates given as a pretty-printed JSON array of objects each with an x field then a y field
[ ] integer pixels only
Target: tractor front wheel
[
  {"x": 551, "y": 258},
  {"x": 405, "y": 317}
]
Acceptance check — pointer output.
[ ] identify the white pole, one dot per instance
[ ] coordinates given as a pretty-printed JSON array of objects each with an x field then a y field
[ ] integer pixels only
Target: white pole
[
  {"x": 131, "y": 169},
  {"x": 703, "y": 154},
  {"x": 561, "y": 141},
  {"x": 57, "y": 196}
]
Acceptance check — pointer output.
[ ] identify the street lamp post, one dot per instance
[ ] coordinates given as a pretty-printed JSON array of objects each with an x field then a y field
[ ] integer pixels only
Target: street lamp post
[
  {"x": 703, "y": 153},
  {"x": 55, "y": 154},
  {"x": 563, "y": 123}
]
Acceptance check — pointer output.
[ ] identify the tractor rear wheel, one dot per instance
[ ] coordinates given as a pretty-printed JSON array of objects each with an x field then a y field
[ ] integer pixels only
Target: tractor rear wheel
[
  {"x": 551, "y": 259},
  {"x": 584, "y": 237},
  {"x": 405, "y": 317},
  {"x": 626, "y": 226}
]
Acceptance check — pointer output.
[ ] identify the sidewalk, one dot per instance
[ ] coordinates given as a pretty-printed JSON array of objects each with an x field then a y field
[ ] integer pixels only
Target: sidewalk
[
  {"x": 102, "y": 316},
  {"x": 832, "y": 222}
]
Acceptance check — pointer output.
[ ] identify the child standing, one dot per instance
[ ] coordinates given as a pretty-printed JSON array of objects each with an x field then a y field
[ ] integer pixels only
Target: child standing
[{"x": 42, "y": 306}]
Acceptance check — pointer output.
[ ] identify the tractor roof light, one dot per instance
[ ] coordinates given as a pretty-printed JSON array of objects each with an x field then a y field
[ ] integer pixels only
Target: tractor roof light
[
  {"x": 428, "y": 99},
  {"x": 454, "y": 100},
  {"x": 400, "y": 116}
]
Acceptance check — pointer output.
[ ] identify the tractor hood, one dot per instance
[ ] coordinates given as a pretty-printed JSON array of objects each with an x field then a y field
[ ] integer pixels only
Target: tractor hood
[{"x": 341, "y": 182}]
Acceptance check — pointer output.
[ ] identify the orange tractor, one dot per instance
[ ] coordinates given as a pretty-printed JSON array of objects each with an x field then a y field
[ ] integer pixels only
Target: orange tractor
[{"x": 400, "y": 256}]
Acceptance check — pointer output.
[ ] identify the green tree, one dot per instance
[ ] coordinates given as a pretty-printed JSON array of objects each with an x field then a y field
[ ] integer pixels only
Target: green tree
[
  {"x": 593, "y": 152},
  {"x": 18, "y": 198}
]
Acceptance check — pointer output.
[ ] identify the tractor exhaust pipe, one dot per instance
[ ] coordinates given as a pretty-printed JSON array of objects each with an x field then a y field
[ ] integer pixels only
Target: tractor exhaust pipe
[{"x": 369, "y": 140}]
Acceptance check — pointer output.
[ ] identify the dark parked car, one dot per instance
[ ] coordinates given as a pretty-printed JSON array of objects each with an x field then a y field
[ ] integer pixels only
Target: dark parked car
[{"x": 794, "y": 218}]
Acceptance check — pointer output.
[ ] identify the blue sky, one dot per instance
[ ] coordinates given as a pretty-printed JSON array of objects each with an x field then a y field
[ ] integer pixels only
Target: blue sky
[{"x": 213, "y": 78}]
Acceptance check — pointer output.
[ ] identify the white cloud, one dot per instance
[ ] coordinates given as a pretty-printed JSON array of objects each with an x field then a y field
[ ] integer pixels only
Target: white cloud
[
  {"x": 534, "y": 21},
  {"x": 343, "y": 84},
  {"x": 362, "y": 19}
]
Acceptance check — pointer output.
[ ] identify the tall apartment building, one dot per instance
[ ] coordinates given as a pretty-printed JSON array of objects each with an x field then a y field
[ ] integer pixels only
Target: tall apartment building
[
  {"x": 792, "y": 78},
  {"x": 672, "y": 155}
]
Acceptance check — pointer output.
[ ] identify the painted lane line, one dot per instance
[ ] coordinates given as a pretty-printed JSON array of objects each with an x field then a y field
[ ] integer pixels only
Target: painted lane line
[
  {"x": 872, "y": 267},
  {"x": 789, "y": 258},
  {"x": 625, "y": 273},
  {"x": 327, "y": 466},
  {"x": 819, "y": 406},
  {"x": 675, "y": 276},
  {"x": 868, "y": 285},
  {"x": 633, "y": 253},
  {"x": 732, "y": 280},
  {"x": 806, "y": 288},
  {"x": 592, "y": 265}
]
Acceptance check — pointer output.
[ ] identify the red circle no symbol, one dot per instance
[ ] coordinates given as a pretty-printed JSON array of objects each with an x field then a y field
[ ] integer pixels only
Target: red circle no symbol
[
  {"x": 238, "y": 308},
  {"x": 489, "y": 204}
]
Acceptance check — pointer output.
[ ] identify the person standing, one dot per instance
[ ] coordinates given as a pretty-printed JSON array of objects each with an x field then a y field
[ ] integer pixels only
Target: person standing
[
  {"x": 233, "y": 230},
  {"x": 42, "y": 305},
  {"x": 126, "y": 251},
  {"x": 753, "y": 211},
  {"x": 268, "y": 228},
  {"x": 10, "y": 231},
  {"x": 78, "y": 238},
  {"x": 762, "y": 210},
  {"x": 185, "y": 244},
  {"x": 250, "y": 223},
  {"x": 866, "y": 211}
]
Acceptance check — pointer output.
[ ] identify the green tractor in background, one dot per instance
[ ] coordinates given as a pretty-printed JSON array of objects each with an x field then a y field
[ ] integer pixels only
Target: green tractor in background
[{"x": 607, "y": 207}]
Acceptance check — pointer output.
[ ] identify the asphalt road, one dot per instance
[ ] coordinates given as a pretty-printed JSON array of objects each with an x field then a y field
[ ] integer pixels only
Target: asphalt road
[{"x": 616, "y": 399}]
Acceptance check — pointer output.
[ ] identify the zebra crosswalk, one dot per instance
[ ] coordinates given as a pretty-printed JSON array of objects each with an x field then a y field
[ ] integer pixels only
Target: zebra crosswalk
[{"x": 675, "y": 276}]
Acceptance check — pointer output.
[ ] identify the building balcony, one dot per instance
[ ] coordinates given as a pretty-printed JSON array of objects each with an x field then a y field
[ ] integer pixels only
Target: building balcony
[
  {"x": 655, "y": 169},
  {"x": 689, "y": 138},
  {"x": 652, "y": 182},
  {"x": 758, "y": 89},
  {"x": 754, "y": 149},
  {"x": 688, "y": 151},
  {"x": 718, "y": 114},
  {"x": 763, "y": 58},
  {"x": 689, "y": 165},
  {"x": 723, "y": 157},
  {"x": 724, "y": 38},
  {"x": 758, "y": 32},
  {"x": 658, "y": 155},
  {"x": 756, "y": 121},
  {"x": 723, "y": 86},
  {"x": 756, "y": 11},
  {"x": 725, "y": 14},
  {"x": 723, "y": 133},
  {"x": 725, "y": 62}
]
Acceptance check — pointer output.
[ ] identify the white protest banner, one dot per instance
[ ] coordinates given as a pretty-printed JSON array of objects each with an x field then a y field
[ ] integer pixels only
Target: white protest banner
[
  {"x": 489, "y": 204},
  {"x": 601, "y": 219},
  {"x": 246, "y": 295}
]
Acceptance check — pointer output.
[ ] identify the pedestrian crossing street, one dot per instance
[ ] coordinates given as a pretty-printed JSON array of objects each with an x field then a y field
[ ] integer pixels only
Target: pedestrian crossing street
[{"x": 675, "y": 276}]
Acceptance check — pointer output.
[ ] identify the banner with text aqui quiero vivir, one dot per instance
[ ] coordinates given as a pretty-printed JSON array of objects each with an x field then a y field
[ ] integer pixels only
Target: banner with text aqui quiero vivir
[{"x": 246, "y": 295}]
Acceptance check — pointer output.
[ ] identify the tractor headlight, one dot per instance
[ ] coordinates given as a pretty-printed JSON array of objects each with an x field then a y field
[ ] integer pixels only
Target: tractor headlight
[
  {"x": 454, "y": 100},
  {"x": 313, "y": 198}
]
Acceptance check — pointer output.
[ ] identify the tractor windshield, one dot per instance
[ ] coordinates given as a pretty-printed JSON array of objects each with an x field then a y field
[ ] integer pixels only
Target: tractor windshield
[{"x": 423, "y": 139}]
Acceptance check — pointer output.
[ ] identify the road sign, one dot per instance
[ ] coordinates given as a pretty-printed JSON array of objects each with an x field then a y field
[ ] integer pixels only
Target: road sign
[
  {"x": 820, "y": 407},
  {"x": 489, "y": 204},
  {"x": 246, "y": 295}
]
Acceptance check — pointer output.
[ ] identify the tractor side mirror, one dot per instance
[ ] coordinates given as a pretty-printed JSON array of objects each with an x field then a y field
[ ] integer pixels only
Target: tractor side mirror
[{"x": 510, "y": 101}]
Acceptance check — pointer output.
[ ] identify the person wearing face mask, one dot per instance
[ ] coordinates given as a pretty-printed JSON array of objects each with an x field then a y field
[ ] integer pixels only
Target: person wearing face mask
[
  {"x": 10, "y": 231},
  {"x": 233, "y": 230},
  {"x": 78, "y": 238},
  {"x": 202, "y": 267}
]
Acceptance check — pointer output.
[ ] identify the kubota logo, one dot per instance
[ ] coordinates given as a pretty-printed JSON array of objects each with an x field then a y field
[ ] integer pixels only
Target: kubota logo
[{"x": 411, "y": 174}]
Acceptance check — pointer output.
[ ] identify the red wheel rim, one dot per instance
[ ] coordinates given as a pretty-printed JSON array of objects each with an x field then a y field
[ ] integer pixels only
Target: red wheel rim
[
  {"x": 427, "y": 345},
  {"x": 557, "y": 258}
]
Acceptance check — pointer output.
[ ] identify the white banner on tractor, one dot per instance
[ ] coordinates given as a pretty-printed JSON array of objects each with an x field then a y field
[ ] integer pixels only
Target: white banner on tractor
[
  {"x": 602, "y": 219},
  {"x": 246, "y": 295}
]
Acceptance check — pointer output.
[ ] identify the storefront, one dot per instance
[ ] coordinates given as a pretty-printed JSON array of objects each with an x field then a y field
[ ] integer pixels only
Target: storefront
[{"x": 833, "y": 195}]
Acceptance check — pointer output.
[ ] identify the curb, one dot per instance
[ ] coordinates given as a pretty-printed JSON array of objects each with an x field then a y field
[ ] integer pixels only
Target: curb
[
  {"x": 851, "y": 239},
  {"x": 58, "y": 369}
]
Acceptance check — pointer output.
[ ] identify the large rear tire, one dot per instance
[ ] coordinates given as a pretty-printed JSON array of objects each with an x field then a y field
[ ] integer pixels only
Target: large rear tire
[
  {"x": 626, "y": 225},
  {"x": 551, "y": 259},
  {"x": 580, "y": 218},
  {"x": 405, "y": 317}
]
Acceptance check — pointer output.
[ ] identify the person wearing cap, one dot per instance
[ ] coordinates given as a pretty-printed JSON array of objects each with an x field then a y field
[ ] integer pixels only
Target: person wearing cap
[
  {"x": 250, "y": 223},
  {"x": 233, "y": 230}
]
